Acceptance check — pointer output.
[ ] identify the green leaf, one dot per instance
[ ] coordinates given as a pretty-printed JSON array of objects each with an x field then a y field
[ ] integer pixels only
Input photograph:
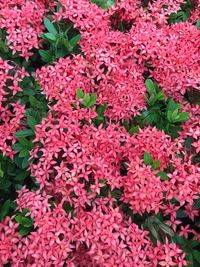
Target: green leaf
[
  {"x": 153, "y": 231},
  {"x": 73, "y": 42},
  {"x": 103, "y": 181},
  {"x": 50, "y": 27},
  {"x": 148, "y": 159},
  {"x": 180, "y": 240},
  {"x": 160, "y": 96},
  {"x": 92, "y": 101},
  {"x": 31, "y": 121},
  {"x": 33, "y": 101},
  {"x": 1, "y": 171},
  {"x": 28, "y": 92},
  {"x": 134, "y": 129},
  {"x": 23, "y": 133},
  {"x": 194, "y": 243},
  {"x": 25, "y": 162},
  {"x": 4, "y": 183},
  {"x": 49, "y": 36},
  {"x": 171, "y": 105},
  {"x": 116, "y": 193},
  {"x": 198, "y": 24},
  {"x": 169, "y": 116},
  {"x": 101, "y": 109},
  {"x": 17, "y": 147},
  {"x": 155, "y": 164},
  {"x": 196, "y": 255},
  {"x": 24, "y": 221},
  {"x": 67, "y": 207},
  {"x": 151, "y": 88},
  {"x": 25, "y": 143},
  {"x": 46, "y": 55},
  {"x": 104, "y": 4},
  {"x": 86, "y": 99},
  {"x": 182, "y": 117},
  {"x": 18, "y": 161},
  {"x": 79, "y": 93},
  {"x": 166, "y": 229},
  {"x": 5, "y": 209},
  {"x": 189, "y": 257},
  {"x": 21, "y": 176},
  {"x": 163, "y": 176},
  {"x": 181, "y": 214},
  {"x": 197, "y": 203},
  {"x": 61, "y": 53},
  {"x": 23, "y": 153},
  {"x": 24, "y": 231},
  {"x": 58, "y": 6},
  {"x": 18, "y": 186}
]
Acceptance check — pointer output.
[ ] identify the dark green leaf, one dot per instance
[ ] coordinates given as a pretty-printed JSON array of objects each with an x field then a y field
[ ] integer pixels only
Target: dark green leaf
[
  {"x": 1, "y": 171},
  {"x": 24, "y": 221},
  {"x": 61, "y": 53},
  {"x": 17, "y": 147},
  {"x": 196, "y": 254},
  {"x": 5, "y": 209},
  {"x": 21, "y": 176},
  {"x": 101, "y": 109},
  {"x": 33, "y": 101},
  {"x": 25, "y": 143},
  {"x": 103, "y": 181},
  {"x": 31, "y": 122},
  {"x": 25, "y": 162},
  {"x": 24, "y": 231},
  {"x": 4, "y": 183},
  {"x": 23, "y": 153},
  {"x": 23, "y": 133},
  {"x": 46, "y": 55}
]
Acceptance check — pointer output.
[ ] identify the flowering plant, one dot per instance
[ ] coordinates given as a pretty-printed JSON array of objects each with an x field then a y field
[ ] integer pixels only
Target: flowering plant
[{"x": 99, "y": 133}]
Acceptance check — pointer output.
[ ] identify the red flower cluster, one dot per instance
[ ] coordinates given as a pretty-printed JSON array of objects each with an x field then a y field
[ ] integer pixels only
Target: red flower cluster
[
  {"x": 88, "y": 175},
  {"x": 23, "y": 23},
  {"x": 10, "y": 112}
]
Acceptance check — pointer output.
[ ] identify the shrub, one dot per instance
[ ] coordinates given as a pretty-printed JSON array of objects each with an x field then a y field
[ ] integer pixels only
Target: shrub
[{"x": 99, "y": 133}]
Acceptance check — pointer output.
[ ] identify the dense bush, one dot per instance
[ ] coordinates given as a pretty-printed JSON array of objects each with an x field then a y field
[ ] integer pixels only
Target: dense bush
[{"x": 99, "y": 133}]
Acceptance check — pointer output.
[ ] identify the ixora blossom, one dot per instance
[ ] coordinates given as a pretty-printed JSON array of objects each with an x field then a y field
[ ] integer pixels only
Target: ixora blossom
[
  {"x": 22, "y": 21},
  {"x": 10, "y": 113},
  {"x": 122, "y": 87},
  {"x": 93, "y": 180},
  {"x": 174, "y": 66},
  {"x": 101, "y": 236},
  {"x": 74, "y": 159}
]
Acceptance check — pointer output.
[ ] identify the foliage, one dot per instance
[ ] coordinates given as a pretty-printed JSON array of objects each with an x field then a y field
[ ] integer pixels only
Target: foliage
[{"x": 99, "y": 133}]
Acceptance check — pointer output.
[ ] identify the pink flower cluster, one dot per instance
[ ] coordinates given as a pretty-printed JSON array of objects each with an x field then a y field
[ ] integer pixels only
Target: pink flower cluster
[
  {"x": 22, "y": 21},
  {"x": 99, "y": 237},
  {"x": 10, "y": 112},
  {"x": 96, "y": 171}
]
